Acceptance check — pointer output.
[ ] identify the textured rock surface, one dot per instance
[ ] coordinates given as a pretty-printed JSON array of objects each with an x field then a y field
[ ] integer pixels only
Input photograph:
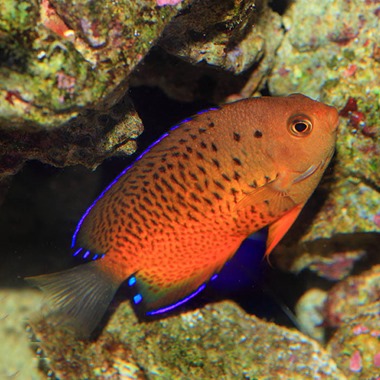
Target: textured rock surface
[
  {"x": 356, "y": 345},
  {"x": 226, "y": 40},
  {"x": 63, "y": 78},
  {"x": 338, "y": 63},
  {"x": 352, "y": 296},
  {"x": 17, "y": 360},
  {"x": 353, "y": 305},
  {"x": 218, "y": 341},
  {"x": 64, "y": 73}
]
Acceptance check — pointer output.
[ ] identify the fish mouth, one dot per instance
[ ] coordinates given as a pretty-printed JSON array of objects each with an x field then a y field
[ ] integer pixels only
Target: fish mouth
[{"x": 308, "y": 172}]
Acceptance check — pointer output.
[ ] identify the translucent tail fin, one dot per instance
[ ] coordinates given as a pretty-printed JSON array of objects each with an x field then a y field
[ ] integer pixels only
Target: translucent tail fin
[{"x": 79, "y": 296}]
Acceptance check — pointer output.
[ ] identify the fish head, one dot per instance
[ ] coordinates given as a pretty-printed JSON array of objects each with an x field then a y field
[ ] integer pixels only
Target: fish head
[{"x": 301, "y": 140}]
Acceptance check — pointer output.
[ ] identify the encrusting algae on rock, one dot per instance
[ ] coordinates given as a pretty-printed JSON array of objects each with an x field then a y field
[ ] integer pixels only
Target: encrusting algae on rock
[{"x": 169, "y": 222}]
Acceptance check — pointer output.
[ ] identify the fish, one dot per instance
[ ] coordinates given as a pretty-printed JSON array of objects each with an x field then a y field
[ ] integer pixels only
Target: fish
[{"x": 168, "y": 223}]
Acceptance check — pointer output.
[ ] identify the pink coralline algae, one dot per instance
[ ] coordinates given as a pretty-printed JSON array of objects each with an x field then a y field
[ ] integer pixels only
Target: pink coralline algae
[
  {"x": 161, "y": 3},
  {"x": 376, "y": 360},
  {"x": 356, "y": 362},
  {"x": 360, "y": 329}
]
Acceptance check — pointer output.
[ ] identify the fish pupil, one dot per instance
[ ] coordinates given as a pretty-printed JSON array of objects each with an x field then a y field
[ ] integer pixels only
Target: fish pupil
[{"x": 300, "y": 127}]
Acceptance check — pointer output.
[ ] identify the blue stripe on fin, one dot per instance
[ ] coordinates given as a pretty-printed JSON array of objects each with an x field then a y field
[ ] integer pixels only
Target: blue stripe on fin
[
  {"x": 87, "y": 255},
  {"x": 76, "y": 253},
  {"x": 132, "y": 281},
  {"x": 137, "y": 299},
  {"x": 178, "y": 303}
]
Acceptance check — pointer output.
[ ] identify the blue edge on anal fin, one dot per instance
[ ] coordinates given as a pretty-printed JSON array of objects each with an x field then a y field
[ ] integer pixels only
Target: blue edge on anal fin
[{"x": 138, "y": 298}]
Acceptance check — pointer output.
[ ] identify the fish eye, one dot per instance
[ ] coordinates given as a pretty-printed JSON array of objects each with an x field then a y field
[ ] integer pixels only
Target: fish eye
[{"x": 300, "y": 126}]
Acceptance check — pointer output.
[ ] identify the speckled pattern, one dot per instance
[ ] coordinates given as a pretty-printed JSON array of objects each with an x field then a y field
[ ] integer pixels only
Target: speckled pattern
[{"x": 177, "y": 215}]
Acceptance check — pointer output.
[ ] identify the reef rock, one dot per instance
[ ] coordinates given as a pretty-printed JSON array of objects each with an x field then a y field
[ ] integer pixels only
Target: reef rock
[
  {"x": 63, "y": 78},
  {"x": 338, "y": 63},
  {"x": 218, "y": 341}
]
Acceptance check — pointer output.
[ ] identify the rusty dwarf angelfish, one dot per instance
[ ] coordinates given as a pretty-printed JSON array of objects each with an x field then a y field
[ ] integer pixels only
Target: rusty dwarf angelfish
[{"x": 168, "y": 223}]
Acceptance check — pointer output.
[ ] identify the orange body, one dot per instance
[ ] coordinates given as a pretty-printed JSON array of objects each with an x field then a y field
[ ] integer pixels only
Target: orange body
[{"x": 173, "y": 219}]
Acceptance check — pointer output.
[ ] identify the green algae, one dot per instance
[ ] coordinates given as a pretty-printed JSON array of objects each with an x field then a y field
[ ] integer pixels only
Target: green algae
[{"x": 56, "y": 74}]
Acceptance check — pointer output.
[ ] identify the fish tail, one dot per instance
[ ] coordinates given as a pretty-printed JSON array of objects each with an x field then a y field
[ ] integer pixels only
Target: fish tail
[{"x": 78, "y": 297}]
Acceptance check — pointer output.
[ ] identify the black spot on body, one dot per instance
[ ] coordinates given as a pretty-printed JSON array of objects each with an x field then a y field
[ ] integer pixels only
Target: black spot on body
[
  {"x": 258, "y": 134},
  {"x": 200, "y": 155},
  {"x": 190, "y": 216},
  {"x": 236, "y": 136},
  {"x": 182, "y": 141},
  {"x": 202, "y": 130},
  {"x": 193, "y": 176},
  {"x": 226, "y": 177},
  {"x": 214, "y": 147},
  {"x": 147, "y": 200},
  {"x": 216, "y": 163},
  {"x": 217, "y": 196},
  {"x": 194, "y": 197},
  {"x": 236, "y": 161},
  {"x": 199, "y": 187},
  {"x": 168, "y": 186},
  {"x": 219, "y": 185},
  {"x": 189, "y": 149},
  {"x": 203, "y": 145},
  {"x": 174, "y": 179},
  {"x": 207, "y": 201},
  {"x": 211, "y": 124},
  {"x": 237, "y": 176},
  {"x": 202, "y": 169},
  {"x": 159, "y": 188}
]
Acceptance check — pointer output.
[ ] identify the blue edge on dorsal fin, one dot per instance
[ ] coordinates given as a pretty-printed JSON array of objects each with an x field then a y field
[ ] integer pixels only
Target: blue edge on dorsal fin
[{"x": 87, "y": 255}]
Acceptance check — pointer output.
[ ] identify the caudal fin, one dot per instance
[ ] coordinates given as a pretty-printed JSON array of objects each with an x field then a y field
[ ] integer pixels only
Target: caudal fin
[{"x": 79, "y": 296}]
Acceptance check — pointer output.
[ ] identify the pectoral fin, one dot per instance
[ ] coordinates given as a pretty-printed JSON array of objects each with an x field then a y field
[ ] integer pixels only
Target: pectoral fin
[
  {"x": 280, "y": 227},
  {"x": 278, "y": 201}
]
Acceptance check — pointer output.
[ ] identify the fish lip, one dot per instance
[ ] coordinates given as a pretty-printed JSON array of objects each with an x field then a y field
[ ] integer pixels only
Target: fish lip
[{"x": 308, "y": 172}]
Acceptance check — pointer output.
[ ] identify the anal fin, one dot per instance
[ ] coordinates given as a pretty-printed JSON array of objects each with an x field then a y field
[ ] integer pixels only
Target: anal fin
[{"x": 153, "y": 298}]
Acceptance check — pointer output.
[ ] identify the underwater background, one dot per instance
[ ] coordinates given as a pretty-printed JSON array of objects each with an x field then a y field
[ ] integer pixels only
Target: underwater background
[{"x": 87, "y": 86}]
